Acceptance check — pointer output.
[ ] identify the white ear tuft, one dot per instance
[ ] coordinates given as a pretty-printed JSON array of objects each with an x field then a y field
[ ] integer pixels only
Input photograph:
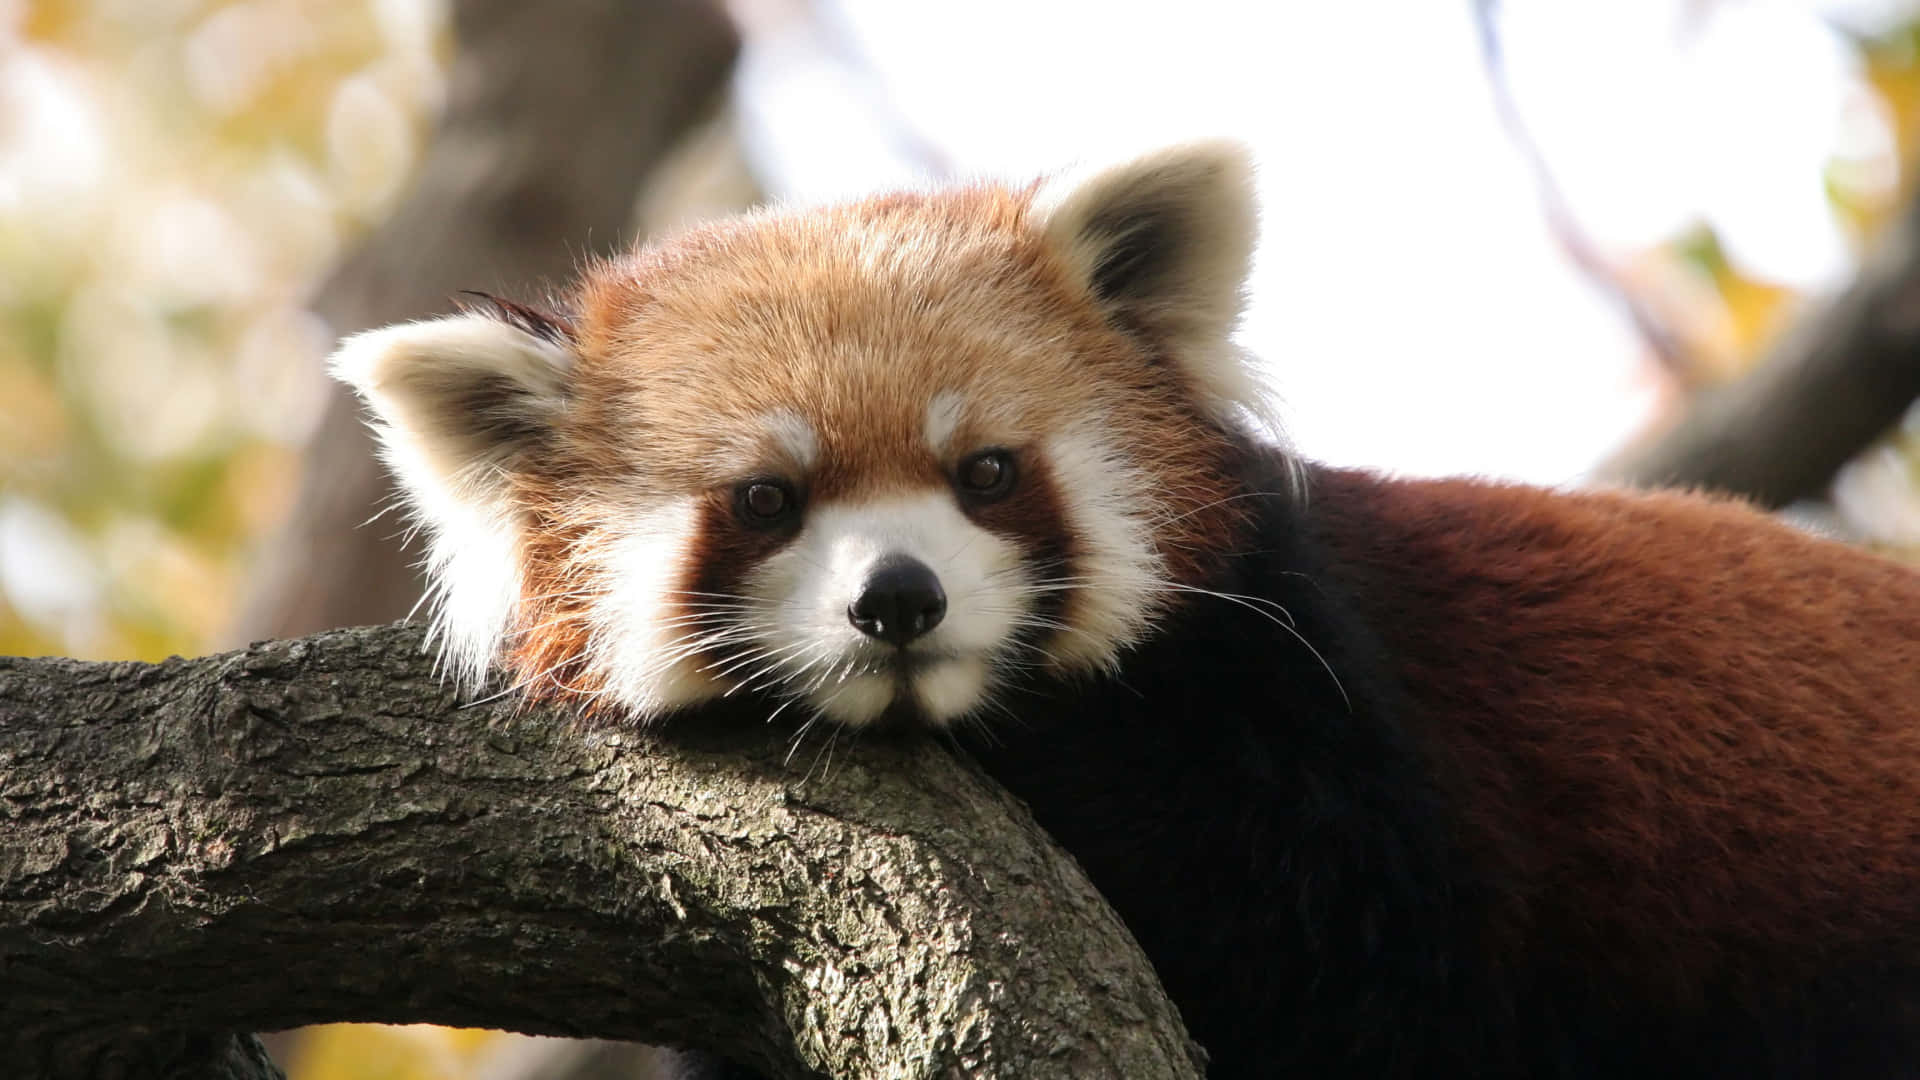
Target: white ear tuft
[
  {"x": 459, "y": 403},
  {"x": 1164, "y": 243}
]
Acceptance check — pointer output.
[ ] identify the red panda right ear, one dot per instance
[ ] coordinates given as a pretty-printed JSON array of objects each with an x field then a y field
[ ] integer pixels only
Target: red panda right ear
[
  {"x": 1164, "y": 243},
  {"x": 459, "y": 403}
]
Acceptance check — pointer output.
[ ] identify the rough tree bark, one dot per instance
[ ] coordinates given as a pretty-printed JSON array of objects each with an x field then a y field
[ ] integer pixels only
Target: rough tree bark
[
  {"x": 557, "y": 114},
  {"x": 316, "y": 830},
  {"x": 1839, "y": 379}
]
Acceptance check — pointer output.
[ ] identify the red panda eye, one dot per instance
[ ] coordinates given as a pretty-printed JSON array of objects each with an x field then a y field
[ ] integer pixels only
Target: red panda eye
[
  {"x": 987, "y": 475},
  {"x": 764, "y": 502}
]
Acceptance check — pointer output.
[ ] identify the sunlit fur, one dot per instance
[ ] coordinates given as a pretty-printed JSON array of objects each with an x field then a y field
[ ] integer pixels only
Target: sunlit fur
[
  {"x": 860, "y": 354},
  {"x": 1389, "y": 778},
  {"x": 454, "y": 401}
]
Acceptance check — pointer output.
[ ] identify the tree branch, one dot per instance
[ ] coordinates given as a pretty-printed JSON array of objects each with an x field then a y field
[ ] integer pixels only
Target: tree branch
[
  {"x": 1839, "y": 379},
  {"x": 315, "y": 830}
]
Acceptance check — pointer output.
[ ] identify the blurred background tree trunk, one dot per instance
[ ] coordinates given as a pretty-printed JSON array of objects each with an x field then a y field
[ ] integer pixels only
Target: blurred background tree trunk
[
  {"x": 1837, "y": 379},
  {"x": 557, "y": 117}
]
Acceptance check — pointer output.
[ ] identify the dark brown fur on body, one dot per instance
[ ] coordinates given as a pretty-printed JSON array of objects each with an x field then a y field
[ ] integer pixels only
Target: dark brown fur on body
[
  {"x": 1686, "y": 738},
  {"x": 1611, "y": 785}
]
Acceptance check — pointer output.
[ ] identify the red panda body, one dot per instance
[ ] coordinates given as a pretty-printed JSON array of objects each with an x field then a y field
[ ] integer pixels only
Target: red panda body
[
  {"x": 1599, "y": 792},
  {"x": 1710, "y": 721},
  {"x": 1389, "y": 778}
]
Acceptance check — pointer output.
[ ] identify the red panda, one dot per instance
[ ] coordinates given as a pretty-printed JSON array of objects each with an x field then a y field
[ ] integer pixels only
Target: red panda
[{"x": 1388, "y": 777}]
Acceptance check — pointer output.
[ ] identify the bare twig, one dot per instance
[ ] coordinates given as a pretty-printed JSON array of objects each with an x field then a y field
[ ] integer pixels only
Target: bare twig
[{"x": 1561, "y": 222}]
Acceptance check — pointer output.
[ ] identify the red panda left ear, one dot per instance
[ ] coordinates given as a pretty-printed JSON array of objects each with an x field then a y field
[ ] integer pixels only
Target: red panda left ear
[
  {"x": 1164, "y": 243},
  {"x": 460, "y": 404}
]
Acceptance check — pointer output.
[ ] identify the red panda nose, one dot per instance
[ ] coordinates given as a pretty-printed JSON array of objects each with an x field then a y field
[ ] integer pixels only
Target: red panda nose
[{"x": 900, "y": 601}]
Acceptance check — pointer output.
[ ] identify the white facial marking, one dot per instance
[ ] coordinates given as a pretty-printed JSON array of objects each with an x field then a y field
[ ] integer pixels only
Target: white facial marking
[
  {"x": 782, "y": 439},
  {"x": 794, "y": 437},
  {"x": 643, "y": 643},
  {"x": 1105, "y": 499},
  {"x": 943, "y": 418},
  {"x": 473, "y": 567},
  {"x": 857, "y": 700},
  {"x": 953, "y": 688},
  {"x": 847, "y": 675}
]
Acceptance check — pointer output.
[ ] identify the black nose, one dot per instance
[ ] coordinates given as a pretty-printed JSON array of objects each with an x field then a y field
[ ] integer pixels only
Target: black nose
[{"x": 900, "y": 601}]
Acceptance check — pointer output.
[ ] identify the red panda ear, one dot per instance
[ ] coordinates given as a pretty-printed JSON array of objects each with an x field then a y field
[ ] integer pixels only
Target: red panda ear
[
  {"x": 459, "y": 403},
  {"x": 461, "y": 397},
  {"x": 1164, "y": 242}
]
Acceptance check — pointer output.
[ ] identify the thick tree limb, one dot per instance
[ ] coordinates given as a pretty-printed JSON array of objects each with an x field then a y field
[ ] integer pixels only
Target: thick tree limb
[
  {"x": 315, "y": 830},
  {"x": 1838, "y": 380}
]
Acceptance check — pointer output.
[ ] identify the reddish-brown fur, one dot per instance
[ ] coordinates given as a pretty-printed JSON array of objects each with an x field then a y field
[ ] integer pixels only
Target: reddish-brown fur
[
  {"x": 1708, "y": 722},
  {"x": 1397, "y": 778},
  {"x": 852, "y": 317},
  {"x": 1389, "y": 777}
]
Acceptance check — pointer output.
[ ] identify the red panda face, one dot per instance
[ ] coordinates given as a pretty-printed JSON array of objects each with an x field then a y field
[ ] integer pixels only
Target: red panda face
[{"x": 874, "y": 460}]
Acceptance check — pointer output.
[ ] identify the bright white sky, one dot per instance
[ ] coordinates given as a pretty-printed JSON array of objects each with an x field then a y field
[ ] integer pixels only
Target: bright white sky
[{"x": 1412, "y": 307}]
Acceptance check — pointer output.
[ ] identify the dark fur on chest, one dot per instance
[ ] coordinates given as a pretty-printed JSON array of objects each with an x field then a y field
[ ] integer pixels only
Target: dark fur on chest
[
  {"x": 1243, "y": 794},
  {"x": 1277, "y": 809}
]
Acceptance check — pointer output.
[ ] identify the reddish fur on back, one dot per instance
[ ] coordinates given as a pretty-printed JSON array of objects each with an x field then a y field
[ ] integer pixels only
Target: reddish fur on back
[{"x": 1601, "y": 667}]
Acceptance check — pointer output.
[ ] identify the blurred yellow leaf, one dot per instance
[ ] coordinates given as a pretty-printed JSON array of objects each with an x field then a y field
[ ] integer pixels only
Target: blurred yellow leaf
[
  {"x": 52, "y": 22},
  {"x": 187, "y": 188},
  {"x": 1891, "y": 66},
  {"x": 33, "y": 425},
  {"x": 1722, "y": 316},
  {"x": 385, "y": 1052}
]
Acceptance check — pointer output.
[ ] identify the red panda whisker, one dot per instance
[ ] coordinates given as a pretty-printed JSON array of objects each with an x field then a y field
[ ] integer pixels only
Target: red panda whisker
[
  {"x": 783, "y": 707},
  {"x": 740, "y": 597},
  {"x": 955, "y": 554},
  {"x": 786, "y": 685},
  {"x": 1212, "y": 504},
  {"x": 986, "y": 731},
  {"x": 717, "y": 605},
  {"x": 1279, "y": 609},
  {"x": 1031, "y": 619},
  {"x": 581, "y": 593},
  {"x": 688, "y": 645},
  {"x": 387, "y": 506},
  {"x": 716, "y": 619},
  {"x": 523, "y": 683},
  {"x": 685, "y": 646},
  {"x": 724, "y": 666},
  {"x": 772, "y": 678},
  {"x": 699, "y": 609},
  {"x": 1286, "y": 625},
  {"x": 814, "y": 684},
  {"x": 754, "y": 656},
  {"x": 839, "y": 675},
  {"x": 833, "y": 739},
  {"x": 799, "y": 735},
  {"x": 497, "y": 695},
  {"x": 800, "y": 556},
  {"x": 525, "y": 631}
]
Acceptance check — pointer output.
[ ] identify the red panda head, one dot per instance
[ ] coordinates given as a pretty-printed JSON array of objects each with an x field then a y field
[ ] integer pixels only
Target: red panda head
[{"x": 873, "y": 459}]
